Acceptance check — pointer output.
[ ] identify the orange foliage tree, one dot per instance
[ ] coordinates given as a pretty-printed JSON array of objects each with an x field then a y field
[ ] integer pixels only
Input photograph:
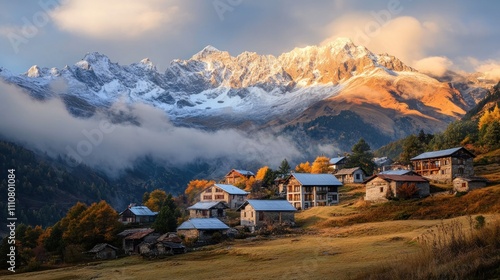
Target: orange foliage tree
[
  {"x": 156, "y": 199},
  {"x": 261, "y": 173},
  {"x": 304, "y": 167},
  {"x": 196, "y": 186},
  {"x": 320, "y": 165}
]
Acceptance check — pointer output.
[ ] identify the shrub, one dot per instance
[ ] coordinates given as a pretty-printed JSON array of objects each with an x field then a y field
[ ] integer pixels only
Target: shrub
[{"x": 407, "y": 191}]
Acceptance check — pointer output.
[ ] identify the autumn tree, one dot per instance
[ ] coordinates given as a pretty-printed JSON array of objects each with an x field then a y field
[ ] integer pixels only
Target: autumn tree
[
  {"x": 261, "y": 173},
  {"x": 166, "y": 221},
  {"x": 196, "y": 186},
  {"x": 250, "y": 184},
  {"x": 320, "y": 165},
  {"x": 304, "y": 167},
  {"x": 98, "y": 224},
  {"x": 156, "y": 200}
]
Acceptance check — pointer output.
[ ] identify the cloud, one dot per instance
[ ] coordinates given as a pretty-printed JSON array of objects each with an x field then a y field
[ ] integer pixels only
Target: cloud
[
  {"x": 490, "y": 68},
  {"x": 405, "y": 37},
  {"x": 434, "y": 65},
  {"x": 48, "y": 127},
  {"x": 115, "y": 19}
]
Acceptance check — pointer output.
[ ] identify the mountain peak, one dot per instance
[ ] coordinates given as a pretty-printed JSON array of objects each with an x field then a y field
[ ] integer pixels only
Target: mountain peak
[
  {"x": 33, "y": 72},
  {"x": 95, "y": 56},
  {"x": 206, "y": 51}
]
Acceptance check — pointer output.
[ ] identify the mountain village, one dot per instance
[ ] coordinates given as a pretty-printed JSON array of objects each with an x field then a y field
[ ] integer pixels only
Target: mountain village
[{"x": 208, "y": 219}]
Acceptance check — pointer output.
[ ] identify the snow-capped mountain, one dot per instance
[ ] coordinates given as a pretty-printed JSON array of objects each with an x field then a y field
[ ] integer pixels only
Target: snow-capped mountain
[{"x": 213, "y": 88}]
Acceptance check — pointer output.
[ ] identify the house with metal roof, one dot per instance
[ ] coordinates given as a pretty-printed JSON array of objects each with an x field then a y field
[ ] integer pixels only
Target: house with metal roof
[
  {"x": 137, "y": 214},
  {"x": 257, "y": 213},
  {"x": 306, "y": 190},
  {"x": 237, "y": 176},
  {"x": 444, "y": 165},
  {"x": 397, "y": 172},
  {"x": 208, "y": 209},
  {"x": 231, "y": 195},
  {"x": 201, "y": 228},
  {"x": 336, "y": 164},
  {"x": 381, "y": 187},
  {"x": 351, "y": 175}
]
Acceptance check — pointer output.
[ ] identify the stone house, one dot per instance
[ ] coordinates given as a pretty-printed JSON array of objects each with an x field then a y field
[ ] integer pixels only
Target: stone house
[
  {"x": 103, "y": 251},
  {"x": 306, "y": 190},
  {"x": 202, "y": 228},
  {"x": 137, "y": 214},
  {"x": 208, "y": 209},
  {"x": 445, "y": 165},
  {"x": 236, "y": 176},
  {"x": 231, "y": 195},
  {"x": 461, "y": 184},
  {"x": 336, "y": 164},
  {"x": 131, "y": 242},
  {"x": 257, "y": 213},
  {"x": 380, "y": 187},
  {"x": 351, "y": 175}
]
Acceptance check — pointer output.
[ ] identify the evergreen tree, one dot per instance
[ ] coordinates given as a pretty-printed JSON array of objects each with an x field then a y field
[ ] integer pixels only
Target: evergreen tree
[
  {"x": 284, "y": 168},
  {"x": 361, "y": 157},
  {"x": 166, "y": 221}
]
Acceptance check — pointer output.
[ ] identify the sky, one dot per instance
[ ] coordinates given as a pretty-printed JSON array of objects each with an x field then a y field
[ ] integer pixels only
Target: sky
[{"x": 432, "y": 36}]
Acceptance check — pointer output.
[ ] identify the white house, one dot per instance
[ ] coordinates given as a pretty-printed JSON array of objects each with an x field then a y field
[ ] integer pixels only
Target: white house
[{"x": 351, "y": 175}]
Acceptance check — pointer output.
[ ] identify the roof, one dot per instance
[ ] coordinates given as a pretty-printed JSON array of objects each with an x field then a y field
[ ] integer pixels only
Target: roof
[
  {"x": 336, "y": 160},
  {"x": 169, "y": 237},
  {"x": 270, "y": 205},
  {"x": 203, "y": 224},
  {"x": 205, "y": 205},
  {"x": 441, "y": 153},
  {"x": 398, "y": 178},
  {"x": 472, "y": 179},
  {"x": 99, "y": 247},
  {"x": 141, "y": 211},
  {"x": 242, "y": 172},
  {"x": 348, "y": 171},
  {"x": 128, "y": 232},
  {"x": 307, "y": 179},
  {"x": 230, "y": 189},
  {"x": 396, "y": 172},
  {"x": 140, "y": 234}
]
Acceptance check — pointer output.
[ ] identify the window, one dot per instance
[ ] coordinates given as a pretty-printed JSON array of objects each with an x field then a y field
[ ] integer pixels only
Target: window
[
  {"x": 381, "y": 189},
  {"x": 218, "y": 190},
  {"x": 290, "y": 197},
  {"x": 261, "y": 216},
  {"x": 207, "y": 197},
  {"x": 464, "y": 185},
  {"x": 251, "y": 214},
  {"x": 321, "y": 197},
  {"x": 209, "y": 190},
  {"x": 219, "y": 196},
  {"x": 244, "y": 214},
  {"x": 358, "y": 176}
]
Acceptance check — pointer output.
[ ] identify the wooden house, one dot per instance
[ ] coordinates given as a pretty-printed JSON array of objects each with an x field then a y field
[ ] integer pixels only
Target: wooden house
[
  {"x": 137, "y": 214},
  {"x": 202, "y": 228},
  {"x": 257, "y": 213},
  {"x": 134, "y": 238},
  {"x": 462, "y": 184},
  {"x": 381, "y": 187},
  {"x": 336, "y": 164},
  {"x": 237, "y": 176},
  {"x": 445, "y": 165},
  {"x": 103, "y": 251},
  {"x": 351, "y": 175},
  {"x": 306, "y": 190},
  {"x": 208, "y": 209},
  {"x": 231, "y": 195}
]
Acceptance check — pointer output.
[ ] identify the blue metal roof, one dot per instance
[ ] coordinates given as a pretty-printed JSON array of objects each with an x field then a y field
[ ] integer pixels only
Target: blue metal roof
[
  {"x": 395, "y": 172},
  {"x": 437, "y": 154},
  {"x": 142, "y": 211},
  {"x": 203, "y": 205},
  {"x": 203, "y": 224},
  {"x": 230, "y": 189},
  {"x": 307, "y": 179},
  {"x": 269, "y": 205},
  {"x": 244, "y": 172},
  {"x": 336, "y": 160}
]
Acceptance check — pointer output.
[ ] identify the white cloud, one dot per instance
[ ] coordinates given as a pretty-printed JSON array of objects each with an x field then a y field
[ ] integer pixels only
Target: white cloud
[
  {"x": 490, "y": 68},
  {"x": 48, "y": 127},
  {"x": 112, "y": 19},
  {"x": 435, "y": 65}
]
